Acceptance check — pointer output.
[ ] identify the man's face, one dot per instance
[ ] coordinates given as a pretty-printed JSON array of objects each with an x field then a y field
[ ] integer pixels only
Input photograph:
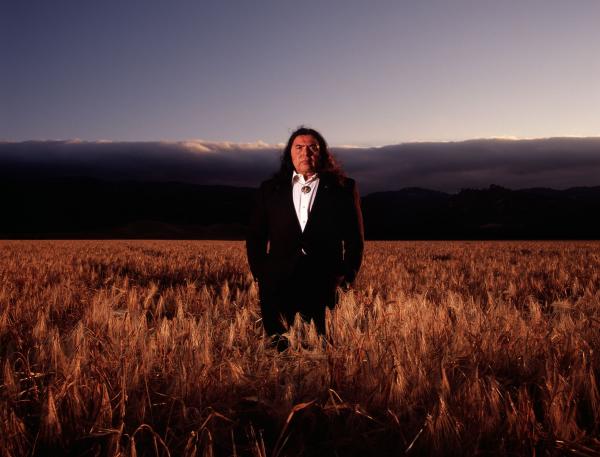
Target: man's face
[{"x": 305, "y": 154}]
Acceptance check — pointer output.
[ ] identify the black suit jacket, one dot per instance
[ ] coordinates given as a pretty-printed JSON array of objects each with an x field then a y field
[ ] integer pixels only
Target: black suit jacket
[{"x": 333, "y": 238}]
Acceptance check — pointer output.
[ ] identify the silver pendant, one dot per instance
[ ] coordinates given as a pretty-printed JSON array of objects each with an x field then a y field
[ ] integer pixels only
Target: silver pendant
[{"x": 305, "y": 189}]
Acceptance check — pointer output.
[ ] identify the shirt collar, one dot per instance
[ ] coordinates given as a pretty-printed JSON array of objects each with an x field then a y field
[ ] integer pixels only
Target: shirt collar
[{"x": 298, "y": 177}]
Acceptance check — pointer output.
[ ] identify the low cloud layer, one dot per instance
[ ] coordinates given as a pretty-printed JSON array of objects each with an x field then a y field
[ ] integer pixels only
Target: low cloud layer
[{"x": 555, "y": 162}]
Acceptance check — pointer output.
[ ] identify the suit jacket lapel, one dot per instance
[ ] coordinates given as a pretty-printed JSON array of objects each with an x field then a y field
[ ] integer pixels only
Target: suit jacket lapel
[
  {"x": 319, "y": 203},
  {"x": 288, "y": 205}
]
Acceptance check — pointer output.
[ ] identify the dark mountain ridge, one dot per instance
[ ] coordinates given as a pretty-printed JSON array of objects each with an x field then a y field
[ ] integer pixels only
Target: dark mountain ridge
[{"x": 81, "y": 207}]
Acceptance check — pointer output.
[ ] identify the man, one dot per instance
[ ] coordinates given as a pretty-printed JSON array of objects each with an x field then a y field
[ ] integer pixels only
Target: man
[{"x": 306, "y": 234}]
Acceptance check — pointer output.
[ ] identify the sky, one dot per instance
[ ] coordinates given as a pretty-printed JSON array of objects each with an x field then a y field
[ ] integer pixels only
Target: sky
[{"x": 365, "y": 73}]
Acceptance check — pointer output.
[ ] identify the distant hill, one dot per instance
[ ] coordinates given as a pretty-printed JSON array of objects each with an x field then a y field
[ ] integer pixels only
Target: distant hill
[
  {"x": 408, "y": 213},
  {"x": 490, "y": 213},
  {"x": 91, "y": 208}
]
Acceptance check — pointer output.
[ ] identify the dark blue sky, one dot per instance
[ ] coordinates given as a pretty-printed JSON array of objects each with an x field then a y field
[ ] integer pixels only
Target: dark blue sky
[{"x": 365, "y": 73}]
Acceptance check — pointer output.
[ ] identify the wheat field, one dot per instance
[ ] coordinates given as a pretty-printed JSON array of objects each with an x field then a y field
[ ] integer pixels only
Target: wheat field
[{"x": 156, "y": 348}]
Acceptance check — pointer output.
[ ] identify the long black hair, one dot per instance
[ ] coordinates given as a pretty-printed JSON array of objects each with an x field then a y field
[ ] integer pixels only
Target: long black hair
[{"x": 327, "y": 165}]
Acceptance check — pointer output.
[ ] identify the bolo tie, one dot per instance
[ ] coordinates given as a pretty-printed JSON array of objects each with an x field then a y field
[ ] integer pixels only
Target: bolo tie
[{"x": 305, "y": 189}]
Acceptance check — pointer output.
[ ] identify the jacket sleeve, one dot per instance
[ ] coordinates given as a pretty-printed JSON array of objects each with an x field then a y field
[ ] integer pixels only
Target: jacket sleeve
[
  {"x": 257, "y": 235},
  {"x": 354, "y": 236}
]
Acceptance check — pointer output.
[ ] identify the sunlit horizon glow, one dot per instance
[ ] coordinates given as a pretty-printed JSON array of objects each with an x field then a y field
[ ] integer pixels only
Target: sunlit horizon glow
[{"x": 207, "y": 145}]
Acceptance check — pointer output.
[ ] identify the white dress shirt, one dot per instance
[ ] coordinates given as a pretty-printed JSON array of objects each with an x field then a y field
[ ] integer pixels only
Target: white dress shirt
[{"x": 303, "y": 201}]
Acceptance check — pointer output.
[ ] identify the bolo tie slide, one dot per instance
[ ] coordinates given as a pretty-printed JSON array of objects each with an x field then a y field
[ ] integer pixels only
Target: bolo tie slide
[{"x": 305, "y": 189}]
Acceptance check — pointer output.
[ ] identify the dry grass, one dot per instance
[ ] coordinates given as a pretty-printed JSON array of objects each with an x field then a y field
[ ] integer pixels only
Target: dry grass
[{"x": 156, "y": 348}]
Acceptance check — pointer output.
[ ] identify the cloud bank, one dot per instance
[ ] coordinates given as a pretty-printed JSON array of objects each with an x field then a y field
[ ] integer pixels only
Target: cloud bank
[{"x": 554, "y": 162}]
